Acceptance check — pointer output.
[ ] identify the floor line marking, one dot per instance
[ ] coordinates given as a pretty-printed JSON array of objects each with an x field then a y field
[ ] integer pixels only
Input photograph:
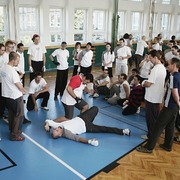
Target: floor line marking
[{"x": 55, "y": 157}]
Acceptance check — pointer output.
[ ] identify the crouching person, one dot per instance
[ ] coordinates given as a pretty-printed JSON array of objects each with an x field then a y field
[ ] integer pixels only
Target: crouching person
[{"x": 38, "y": 89}]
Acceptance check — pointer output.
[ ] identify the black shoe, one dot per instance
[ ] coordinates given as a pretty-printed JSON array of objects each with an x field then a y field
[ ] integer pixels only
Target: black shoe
[
  {"x": 165, "y": 148},
  {"x": 24, "y": 101},
  {"x": 26, "y": 121}
]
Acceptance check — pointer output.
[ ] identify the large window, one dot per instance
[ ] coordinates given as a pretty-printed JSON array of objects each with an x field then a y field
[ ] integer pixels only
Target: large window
[
  {"x": 55, "y": 25},
  {"x": 166, "y": 1},
  {"x": 136, "y": 21},
  {"x": 178, "y": 27},
  {"x": 80, "y": 19},
  {"x": 29, "y": 23},
  {"x": 99, "y": 28},
  {"x": 121, "y": 23},
  {"x": 165, "y": 24},
  {"x": 3, "y": 24}
]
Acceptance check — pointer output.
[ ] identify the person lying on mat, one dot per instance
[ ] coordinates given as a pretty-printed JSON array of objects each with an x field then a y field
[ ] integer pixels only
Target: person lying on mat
[{"x": 83, "y": 123}]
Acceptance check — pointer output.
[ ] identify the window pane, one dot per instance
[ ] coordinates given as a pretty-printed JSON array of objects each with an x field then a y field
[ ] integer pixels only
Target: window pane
[
  {"x": 164, "y": 23},
  {"x": 55, "y": 18},
  {"x": 78, "y": 37},
  {"x": 98, "y": 20},
  {"x": 166, "y": 1},
  {"x": 121, "y": 25},
  {"x": 1, "y": 19},
  {"x": 56, "y": 38},
  {"x": 98, "y": 37},
  {"x": 2, "y": 38},
  {"x": 136, "y": 21},
  {"x": 28, "y": 18},
  {"x": 79, "y": 19}
]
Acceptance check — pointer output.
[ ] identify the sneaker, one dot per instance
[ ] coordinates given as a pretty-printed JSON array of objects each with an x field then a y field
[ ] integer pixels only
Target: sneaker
[
  {"x": 165, "y": 148},
  {"x": 143, "y": 149},
  {"x": 177, "y": 139},
  {"x": 125, "y": 106},
  {"x": 144, "y": 137},
  {"x": 127, "y": 132},
  {"x": 45, "y": 108},
  {"x": 25, "y": 121},
  {"x": 95, "y": 95},
  {"x": 138, "y": 110}
]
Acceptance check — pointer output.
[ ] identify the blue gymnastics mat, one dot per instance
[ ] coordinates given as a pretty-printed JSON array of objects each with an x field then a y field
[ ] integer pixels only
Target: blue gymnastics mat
[{"x": 40, "y": 155}]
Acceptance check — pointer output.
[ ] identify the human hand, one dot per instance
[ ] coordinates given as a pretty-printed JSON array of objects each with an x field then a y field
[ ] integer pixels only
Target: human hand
[
  {"x": 78, "y": 100},
  {"x": 93, "y": 142},
  {"x": 31, "y": 69},
  {"x": 44, "y": 69}
]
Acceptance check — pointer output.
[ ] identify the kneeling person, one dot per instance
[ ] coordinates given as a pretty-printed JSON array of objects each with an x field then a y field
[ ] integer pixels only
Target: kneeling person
[
  {"x": 38, "y": 89},
  {"x": 81, "y": 124}
]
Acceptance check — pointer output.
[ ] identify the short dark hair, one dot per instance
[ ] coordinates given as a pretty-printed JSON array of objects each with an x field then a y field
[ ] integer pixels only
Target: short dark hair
[
  {"x": 13, "y": 56},
  {"x": 122, "y": 40},
  {"x": 89, "y": 43},
  {"x": 175, "y": 47},
  {"x": 38, "y": 74},
  {"x": 176, "y": 61},
  {"x": 135, "y": 70},
  {"x": 63, "y": 43},
  {"x": 8, "y": 42},
  {"x": 1, "y": 45},
  {"x": 89, "y": 76},
  {"x": 138, "y": 77},
  {"x": 35, "y": 36},
  {"x": 124, "y": 76},
  {"x": 155, "y": 53},
  {"x": 20, "y": 45},
  {"x": 77, "y": 43}
]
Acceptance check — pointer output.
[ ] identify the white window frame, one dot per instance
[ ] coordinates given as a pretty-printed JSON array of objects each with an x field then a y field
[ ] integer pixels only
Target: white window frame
[
  {"x": 166, "y": 2},
  {"x": 30, "y": 32},
  {"x": 56, "y": 31},
  {"x": 5, "y": 33},
  {"x": 121, "y": 30},
  {"x": 101, "y": 32},
  {"x": 84, "y": 30},
  {"x": 165, "y": 32},
  {"x": 178, "y": 27}
]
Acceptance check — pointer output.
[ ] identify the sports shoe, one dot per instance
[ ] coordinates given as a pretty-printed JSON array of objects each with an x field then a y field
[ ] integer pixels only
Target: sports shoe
[
  {"x": 26, "y": 121},
  {"x": 165, "y": 148},
  {"x": 144, "y": 137},
  {"x": 127, "y": 132},
  {"x": 45, "y": 108},
  {"x": 125, "y": 106},
  {"x": 143, "y": 149},
  {"x": 95, "y": 95},
  {"x": 177, "y": 139},
  {"x": 138, "y": 110}
]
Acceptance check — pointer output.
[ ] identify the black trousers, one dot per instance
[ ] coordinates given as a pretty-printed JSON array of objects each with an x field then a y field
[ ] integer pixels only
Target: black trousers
[
  {"x": 75, "y": 70},
  {"x": 37, "y": 67},
  {"x": 61, "y": 82},
  {"x": 45, "y": 96},
  {"x": 86, "y": 70},
  {"x": 88, "y": 117},
  {"x": 138, "y": 58},
  {"x": 103, "y": 90},
  {"x": 2, "y": 102},
  {"x": 166, "y": 120},
  {"x": 129, "y": 110}
]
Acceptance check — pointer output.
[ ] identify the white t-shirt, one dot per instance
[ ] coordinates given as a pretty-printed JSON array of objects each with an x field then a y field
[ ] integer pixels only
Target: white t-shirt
[
  {"x": 106, "y": 79},
  {"x": 37, "y": 51},
  {"x": 140, "y": 47},
  {"x": 155, "y": 92},
  {"x": 156, "y": 46},
  {"x": 122, "y": 93},
  {"x": 62, "y": 58},
  {"x": 123, "y": 51},
  {"x": 21, "y": 62},
  {"x": 1, "y": 64},
  {"x": 9, "y": 78},
  {"x": 78, "y": 53},
  {"x": 146, "y": 69},
  {"x": 86, "y": 60},
  {"x": 34, "y": 87},
  {"x": 108, "y": 57},
  {"x": 75, "y": 125},
  {"x": 6, "y": 57}
]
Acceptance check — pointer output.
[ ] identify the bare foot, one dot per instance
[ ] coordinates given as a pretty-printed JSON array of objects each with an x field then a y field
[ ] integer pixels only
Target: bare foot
[{"x": 46, "y": 127}]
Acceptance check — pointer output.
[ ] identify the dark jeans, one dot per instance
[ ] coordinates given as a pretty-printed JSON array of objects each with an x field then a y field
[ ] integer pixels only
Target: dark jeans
[
  {"x": 30, "y": 103},
  {"x": 61, "y": 82},
  {"x": 15, "y": 114},
  {"x": 166, "y": 120},
  {"x": 103, "y": 90},
  {"x": 37, "y": 67},
  {"x": 152, "y": 112},
  {"x": 88, "y": 117},
  {"x": 129, "y": 110}
]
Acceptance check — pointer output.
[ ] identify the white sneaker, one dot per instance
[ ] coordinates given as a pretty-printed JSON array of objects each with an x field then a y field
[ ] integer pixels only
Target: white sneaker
[
  {"x": 45, "y": 108},
  {"x": 96, "y": 95},
  {"x": 127, "y": 132},
  {"x": 125, "y": 106},
  {"x": 138, "y": 110},
  {"x": 144, "y": 137}
]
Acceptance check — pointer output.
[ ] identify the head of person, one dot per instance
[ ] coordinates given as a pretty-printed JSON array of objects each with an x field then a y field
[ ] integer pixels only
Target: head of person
[
  {"x": 173, "y": 64},
  {"x": 137, "y": 79},
  {"x": 130, "y": 36},
  {"x": 108, "y": 46},
  {"x": 121, "y": 42},
  {"x": 174, "y": 50},
  {"x": 63, "y": 45},
  {"x": 171, "y": 43},
  {"x": 2, "y": 49},
  {"x": 154, "y": 56},
  {"x": 78, "y": 45},
  {"x": 36, "y": 39},
  {"x": 37, "y": 77},
  {"x": 134, "y": 71},
  {"x": 105, "y": 73},
  {"x": 144, "y": 38},
  {"x": 57, "y": 132},
  {"x": 14, "y": 59},
  {"x": 9, "y": 46},
  {"x": 87, "y": 78},
  {"x": 122, "y": 78},
  {"x": 88, "y": 45},
  {"x": 173, "y": 37},
  {"x": 126, "y": 36},
  {"x": 159, "y": 36},
  {"x": 20, "y": 47}
]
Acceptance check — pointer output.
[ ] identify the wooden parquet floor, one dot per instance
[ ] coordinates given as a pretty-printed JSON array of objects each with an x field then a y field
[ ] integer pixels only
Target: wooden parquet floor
[{"x": 159, "y": 165}]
